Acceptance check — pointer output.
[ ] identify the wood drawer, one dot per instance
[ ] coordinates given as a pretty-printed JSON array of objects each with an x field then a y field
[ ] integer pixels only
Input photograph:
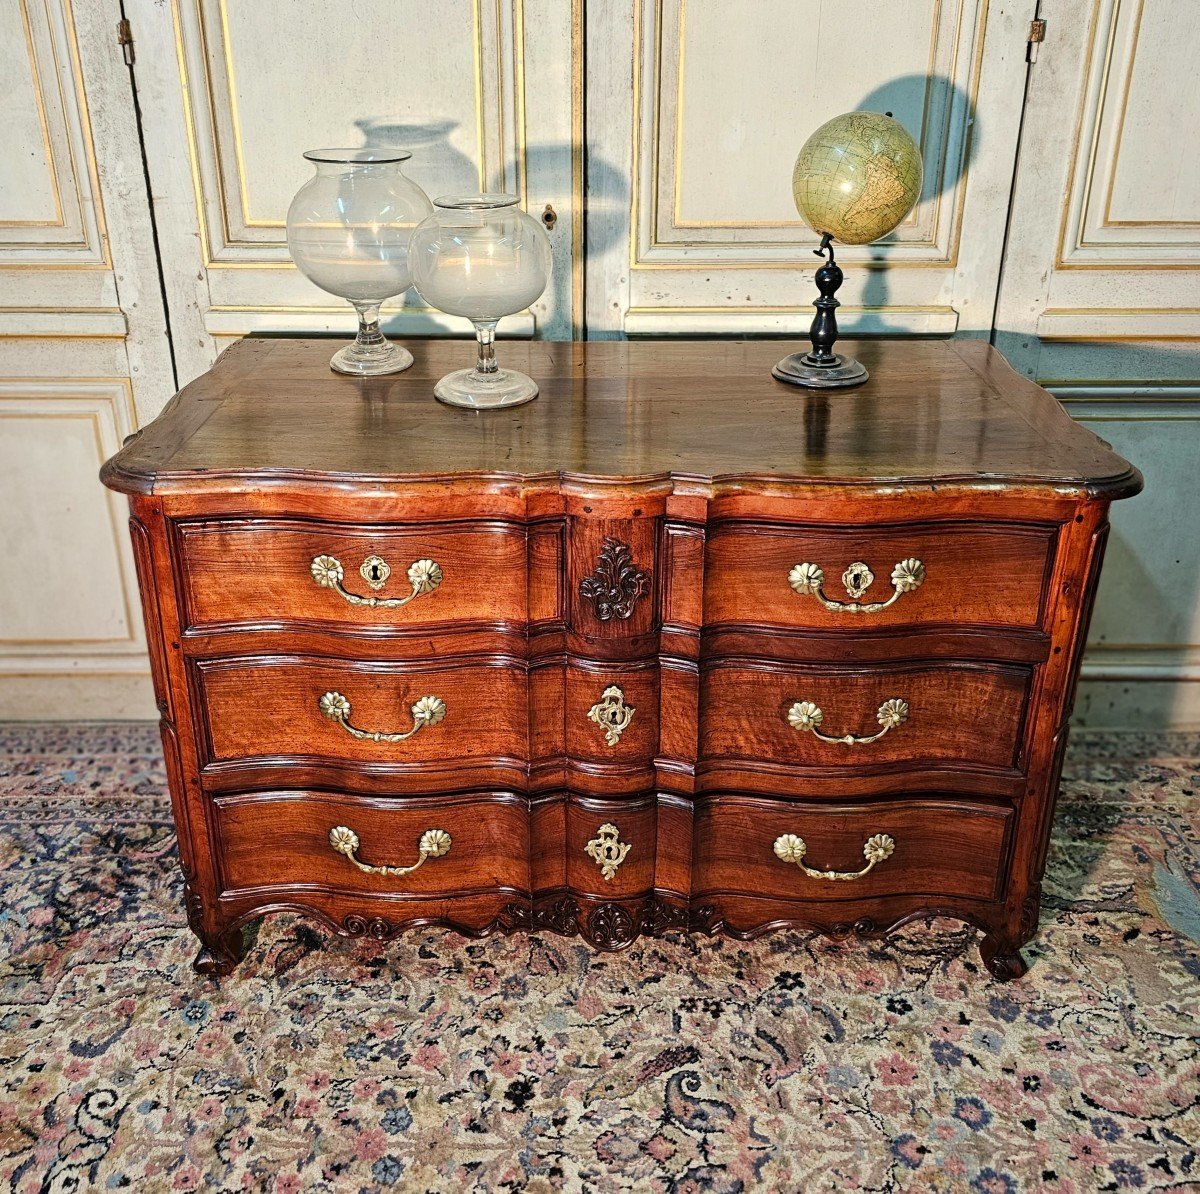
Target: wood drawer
[
  {"x": 972, "y": 575},
  {"x": 263, "y": 573},
  {"x": 270, "y": 839},
  {"x": 296, "y": 710},
  {"x": 941, "y": 847},
  {"x": 954, "y": 713}
]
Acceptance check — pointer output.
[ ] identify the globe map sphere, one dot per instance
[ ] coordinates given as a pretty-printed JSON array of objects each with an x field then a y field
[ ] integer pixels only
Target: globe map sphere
[{"x": 857, "y": 177}]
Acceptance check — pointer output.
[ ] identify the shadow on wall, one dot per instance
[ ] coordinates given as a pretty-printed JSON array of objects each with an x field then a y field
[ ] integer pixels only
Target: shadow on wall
[
  {"x": 437, "y": 166},
  {"x": 948, "y": 145},
  {"x": 441, "y": 169}
]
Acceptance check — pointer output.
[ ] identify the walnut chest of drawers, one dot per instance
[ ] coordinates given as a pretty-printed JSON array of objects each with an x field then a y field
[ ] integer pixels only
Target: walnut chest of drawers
[{"x": 674, "y": 647}]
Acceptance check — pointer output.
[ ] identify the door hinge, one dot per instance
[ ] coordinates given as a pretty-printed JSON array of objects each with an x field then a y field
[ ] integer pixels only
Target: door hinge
[
  {"x": 125, "y": 41},
  {"x": 1037, "y": 35}
]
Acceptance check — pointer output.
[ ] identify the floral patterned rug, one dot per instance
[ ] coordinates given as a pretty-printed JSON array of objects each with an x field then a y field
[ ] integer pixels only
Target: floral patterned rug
[{"x": 531, "y": 1063}]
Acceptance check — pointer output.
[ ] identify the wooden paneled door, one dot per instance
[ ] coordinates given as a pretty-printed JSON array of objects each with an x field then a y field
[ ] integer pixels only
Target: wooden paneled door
[
  {"x": 232, "y": 94},
  {"x": 1100, "y": 303},
  {"x": 84, "y": 359},
  {"x": 696, "y": 111},
  {"x": 1060, "y": 217}
]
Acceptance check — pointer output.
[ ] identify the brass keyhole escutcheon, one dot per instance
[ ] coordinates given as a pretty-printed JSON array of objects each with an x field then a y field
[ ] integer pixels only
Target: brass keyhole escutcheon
[
  {"x": 858, "y": 578},
  {"x": 611, "y": 714},
  {"x": 375, "y": 571},
  {"x": 607, "y": 850},
  {"x": 549, "y": 216}
]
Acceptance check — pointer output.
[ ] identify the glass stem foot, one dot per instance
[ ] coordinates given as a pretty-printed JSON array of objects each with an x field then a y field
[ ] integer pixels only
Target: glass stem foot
[{"x": 371, "y": 354}]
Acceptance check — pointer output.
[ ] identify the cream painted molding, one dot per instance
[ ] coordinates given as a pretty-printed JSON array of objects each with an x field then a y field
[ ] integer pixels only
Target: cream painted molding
[
  {"x": 63, "y": 625},
  {"x": 750, "y": 320},
  {"x": 1087, "y": 324},
  {"x": 1141, "y": 663},
  {"x": 397, "y": 321},
  {"x": 51, "y": 322}
]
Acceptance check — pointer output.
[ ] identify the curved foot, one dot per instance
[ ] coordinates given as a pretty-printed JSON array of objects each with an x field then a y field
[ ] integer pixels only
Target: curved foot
[
  {"x": 1003, "y": 962},
  {"x": 219, "y": 955}
]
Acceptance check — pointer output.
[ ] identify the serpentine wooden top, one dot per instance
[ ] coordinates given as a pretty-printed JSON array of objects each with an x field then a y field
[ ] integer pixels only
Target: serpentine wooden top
[{"x": 706, "y": 412}]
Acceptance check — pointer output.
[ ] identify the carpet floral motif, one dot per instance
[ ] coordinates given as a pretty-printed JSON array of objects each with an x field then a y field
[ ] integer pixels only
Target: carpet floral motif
[{"x": 533, "y": 1063}]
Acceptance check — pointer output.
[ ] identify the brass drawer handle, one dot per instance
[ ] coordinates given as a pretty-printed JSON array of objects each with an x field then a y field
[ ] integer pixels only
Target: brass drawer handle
[
  {"x": 423, "y": 575},
  {"x": 427, "y": 711},
  {"x": 434, "y": 843},
  {"x": 607, "y": 850},
  {"x": 810, "y": 578},
  {"x": 791, "y": 848},
  {"x": 804, "y": 715}
]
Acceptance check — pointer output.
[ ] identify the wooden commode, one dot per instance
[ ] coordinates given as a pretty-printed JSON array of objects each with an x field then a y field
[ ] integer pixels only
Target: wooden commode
[{"x": 673, "y": 647}]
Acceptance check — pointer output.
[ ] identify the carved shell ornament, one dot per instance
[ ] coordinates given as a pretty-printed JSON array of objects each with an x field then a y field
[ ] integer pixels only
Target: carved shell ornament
[{"x": 617, "y": 584}]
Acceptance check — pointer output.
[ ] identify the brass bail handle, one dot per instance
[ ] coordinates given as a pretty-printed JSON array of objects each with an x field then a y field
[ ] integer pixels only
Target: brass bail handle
[
  {"x": 426, "y": 711},
  {"x": 434, "y": 843},
  {"x": 423, "y": 575},
  {"x": 791, "y": 849},
  {"x": 809, "y": 580},
  {"x": 804, "y": 716}
]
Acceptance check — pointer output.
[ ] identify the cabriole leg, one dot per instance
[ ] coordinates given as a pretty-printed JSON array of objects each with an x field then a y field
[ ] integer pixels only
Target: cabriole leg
[
  {"x": 219, "y": 952},
  {"x": 1002, "y": 958}
]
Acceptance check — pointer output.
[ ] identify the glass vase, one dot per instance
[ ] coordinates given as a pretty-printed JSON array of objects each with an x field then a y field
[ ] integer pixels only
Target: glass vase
[
  {"x": 482, "y": 257},
  {"x": 348, "y": 230}
]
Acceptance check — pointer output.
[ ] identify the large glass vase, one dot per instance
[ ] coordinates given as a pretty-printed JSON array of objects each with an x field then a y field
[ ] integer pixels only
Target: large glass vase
[
  {"x": 482, "y": 257},
  {"x": 348, "y": 230}
]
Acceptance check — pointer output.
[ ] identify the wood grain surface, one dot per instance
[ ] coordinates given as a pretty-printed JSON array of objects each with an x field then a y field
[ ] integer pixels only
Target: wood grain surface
[
  {"x": 932, "y": 410},
  {"x": 633, "y": 528}
]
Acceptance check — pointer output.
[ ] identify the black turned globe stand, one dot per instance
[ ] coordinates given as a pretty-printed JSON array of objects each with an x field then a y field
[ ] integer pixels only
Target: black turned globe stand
[{"x": 822, "y": 368}]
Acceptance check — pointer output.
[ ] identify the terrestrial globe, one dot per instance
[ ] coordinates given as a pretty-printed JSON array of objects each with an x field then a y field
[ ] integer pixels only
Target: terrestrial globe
[
  {"x": 857, "y": 177},
  {"x": 854, "y": 180}
]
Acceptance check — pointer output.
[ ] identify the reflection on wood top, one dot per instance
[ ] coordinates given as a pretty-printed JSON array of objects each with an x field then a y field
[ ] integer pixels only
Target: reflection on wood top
[{"x": 701, "y": 411}]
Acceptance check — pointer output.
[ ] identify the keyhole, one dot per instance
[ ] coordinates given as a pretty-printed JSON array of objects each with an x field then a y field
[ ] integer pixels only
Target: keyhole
[{"x": 375, "y": 571}]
